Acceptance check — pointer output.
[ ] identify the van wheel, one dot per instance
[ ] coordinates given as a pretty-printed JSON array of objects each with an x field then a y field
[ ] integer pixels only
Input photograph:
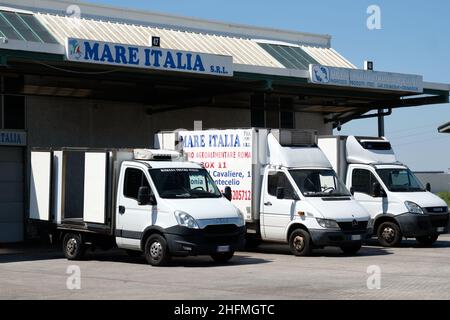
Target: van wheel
[
  {"x": 351, "y": 249},
  {"x": 427, "y": 241},
  {"x": 389, "y": 234},
  {"x": 133, "y": 253},
  {"x": 73, "y": 246},
  {"x": 222, "y": 257},
  {"x": 300, "y": 243},
  {"x": 156, "y": 251}
]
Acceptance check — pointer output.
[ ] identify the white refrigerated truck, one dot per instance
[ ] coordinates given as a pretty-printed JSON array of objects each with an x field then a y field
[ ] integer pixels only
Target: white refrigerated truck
[
  {"x": 398, "y": 203},
  {"x": 281, "y": 181},
  {"x": 145, "y": 201}
]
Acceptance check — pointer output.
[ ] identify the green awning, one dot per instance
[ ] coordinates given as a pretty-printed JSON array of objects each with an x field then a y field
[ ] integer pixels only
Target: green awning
[
  {"x": 23, "y": 26},
  {"x": 289, "y": 56}
]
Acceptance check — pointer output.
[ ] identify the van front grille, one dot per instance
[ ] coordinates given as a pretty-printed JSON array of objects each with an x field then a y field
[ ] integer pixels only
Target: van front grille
[{"x": 350, "y": 226}]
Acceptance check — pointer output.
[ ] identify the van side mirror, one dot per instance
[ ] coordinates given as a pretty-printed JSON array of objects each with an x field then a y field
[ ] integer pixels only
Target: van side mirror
[
  {"x": 377, "y": 191},
  {"x": 227, "y": 194},
  {"x": 428, "y": 187},
  {"x": 352, "y": 191},
  {"x": 280, "y": 193},
  {"x": 144, "y": 197}
]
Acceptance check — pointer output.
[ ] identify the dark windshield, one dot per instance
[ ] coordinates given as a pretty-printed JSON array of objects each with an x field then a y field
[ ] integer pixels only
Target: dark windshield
[
  {"x": 184, "y": 183},
  {"x": 400, "y": 180},
  {"x": 319, "y": 183}
]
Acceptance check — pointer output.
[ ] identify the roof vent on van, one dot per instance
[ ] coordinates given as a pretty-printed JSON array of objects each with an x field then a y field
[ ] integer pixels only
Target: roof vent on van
[
  {"x": 156, "y": 155},
  {"x": 295, "y": 138}
]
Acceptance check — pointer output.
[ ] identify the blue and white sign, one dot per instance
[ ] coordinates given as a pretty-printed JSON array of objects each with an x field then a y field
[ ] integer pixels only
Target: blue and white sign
[
  {"x": 357, "y": 78},
  {"x": 126, "y": 55},
  {"x": 13, "y": 138}
]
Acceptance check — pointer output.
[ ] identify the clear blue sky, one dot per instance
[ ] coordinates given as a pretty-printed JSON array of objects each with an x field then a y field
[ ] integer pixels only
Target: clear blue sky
[{"x": 415, "y": 38}]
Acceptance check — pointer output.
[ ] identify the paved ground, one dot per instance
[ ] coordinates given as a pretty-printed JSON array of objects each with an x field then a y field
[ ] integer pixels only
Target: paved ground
[{"x": 408, "y": 272}]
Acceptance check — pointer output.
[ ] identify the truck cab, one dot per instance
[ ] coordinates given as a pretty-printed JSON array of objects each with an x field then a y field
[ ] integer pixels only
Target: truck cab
[
  {"x": 399, "y": 205},
  {"x": 174, "y": 208},
  {"x": 305, "y": 204}
]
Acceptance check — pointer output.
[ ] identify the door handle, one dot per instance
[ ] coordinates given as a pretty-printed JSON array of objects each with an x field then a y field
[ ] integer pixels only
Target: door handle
[
  {"x": 268, "y": 203},
  {"x": 121, "y": 209}
]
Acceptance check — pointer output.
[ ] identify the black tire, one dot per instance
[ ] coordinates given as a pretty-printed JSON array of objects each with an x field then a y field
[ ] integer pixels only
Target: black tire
[
  {"x": 300, "y": 243},
  {"x": 73, "y": 246},
  {"x": 351, "y": 249},
  {"x": 156, "y": 251},
  {"x": 133, "y": 253},
  {"x": 222, "y": 257},
  {"x": 427, "y": 241},
  {"x": 389, "y": 234}
]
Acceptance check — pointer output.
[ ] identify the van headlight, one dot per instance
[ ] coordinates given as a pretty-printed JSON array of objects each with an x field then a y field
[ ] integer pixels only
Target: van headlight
[
  {"x": 241, "y": 217},
  {"x": 327, "y": 223},
  {"x": 186, "y": 220},
  {"x": 413, "y": 207}
]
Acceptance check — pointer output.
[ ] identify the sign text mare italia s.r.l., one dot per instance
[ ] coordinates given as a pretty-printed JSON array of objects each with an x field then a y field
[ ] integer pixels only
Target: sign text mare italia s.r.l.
[{"x": 126, "y": 55}]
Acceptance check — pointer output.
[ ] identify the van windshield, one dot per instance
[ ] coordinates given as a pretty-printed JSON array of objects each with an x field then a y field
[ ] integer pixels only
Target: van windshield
[
  {"x": 319, "y": 183},
  {"x": 184, "y": 183},
  {"x": 400, "y": 180}
]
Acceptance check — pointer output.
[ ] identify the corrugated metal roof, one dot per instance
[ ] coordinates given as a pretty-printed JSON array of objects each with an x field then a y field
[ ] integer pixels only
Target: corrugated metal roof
[{"x": 243, "y": 50}]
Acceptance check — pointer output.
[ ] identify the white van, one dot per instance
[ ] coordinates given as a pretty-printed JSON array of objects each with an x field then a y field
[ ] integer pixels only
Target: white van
[
  {"x": 399, "y": 205},
  {"x": 282, "y": 182},
  {"x": 145, "y": 201}
]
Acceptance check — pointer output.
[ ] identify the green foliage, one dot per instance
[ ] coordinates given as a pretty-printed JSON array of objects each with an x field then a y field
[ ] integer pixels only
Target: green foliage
[{"x": 445, "y": 196}]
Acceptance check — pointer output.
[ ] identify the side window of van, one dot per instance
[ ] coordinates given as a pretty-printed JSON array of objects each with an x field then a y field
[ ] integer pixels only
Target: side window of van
[
  {"x": 134, "y": 179},
  {"x": 362, "y": 181},
  {"x": 279, "y": 180}
]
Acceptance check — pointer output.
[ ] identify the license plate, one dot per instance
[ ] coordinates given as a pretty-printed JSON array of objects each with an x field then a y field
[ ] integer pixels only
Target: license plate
[
  {"x": 223, "y": 248},
  {"x": 356, "y": 237},
  {"x": 440, "y": 229}
]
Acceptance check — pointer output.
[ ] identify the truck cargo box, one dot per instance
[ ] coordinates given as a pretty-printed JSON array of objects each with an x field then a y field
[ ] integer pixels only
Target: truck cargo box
[{"x": 74, "y": 187}]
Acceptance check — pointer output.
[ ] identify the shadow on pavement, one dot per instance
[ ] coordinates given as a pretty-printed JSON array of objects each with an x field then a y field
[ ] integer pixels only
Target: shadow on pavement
[
  {"x": 188, "y": 262},
  {"x": 24, "y": 254},
  {"x": 412, "y": 243},
  {"x": 326, "y": 252}
]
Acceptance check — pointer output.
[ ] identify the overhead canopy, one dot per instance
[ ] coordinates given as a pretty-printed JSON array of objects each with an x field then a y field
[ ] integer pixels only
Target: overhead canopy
[{"x": 265, "y": 61}]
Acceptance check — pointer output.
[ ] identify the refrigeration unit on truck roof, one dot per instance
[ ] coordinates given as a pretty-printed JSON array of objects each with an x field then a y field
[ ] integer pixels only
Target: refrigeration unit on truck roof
[{"x": 369, "y": 150}]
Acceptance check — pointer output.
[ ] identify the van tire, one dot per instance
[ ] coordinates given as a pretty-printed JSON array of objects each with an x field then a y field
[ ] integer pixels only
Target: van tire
[
  {"x": 427, "y": 241},
  {"x": 351, "y": 249},
  {"x": 73, "y": 246},
  {"x": 222, "y": 257},
  {"x": 300, "y": 243},
  {"x": 156, "y": 251},
  {"x": 389, "y": 234}
]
